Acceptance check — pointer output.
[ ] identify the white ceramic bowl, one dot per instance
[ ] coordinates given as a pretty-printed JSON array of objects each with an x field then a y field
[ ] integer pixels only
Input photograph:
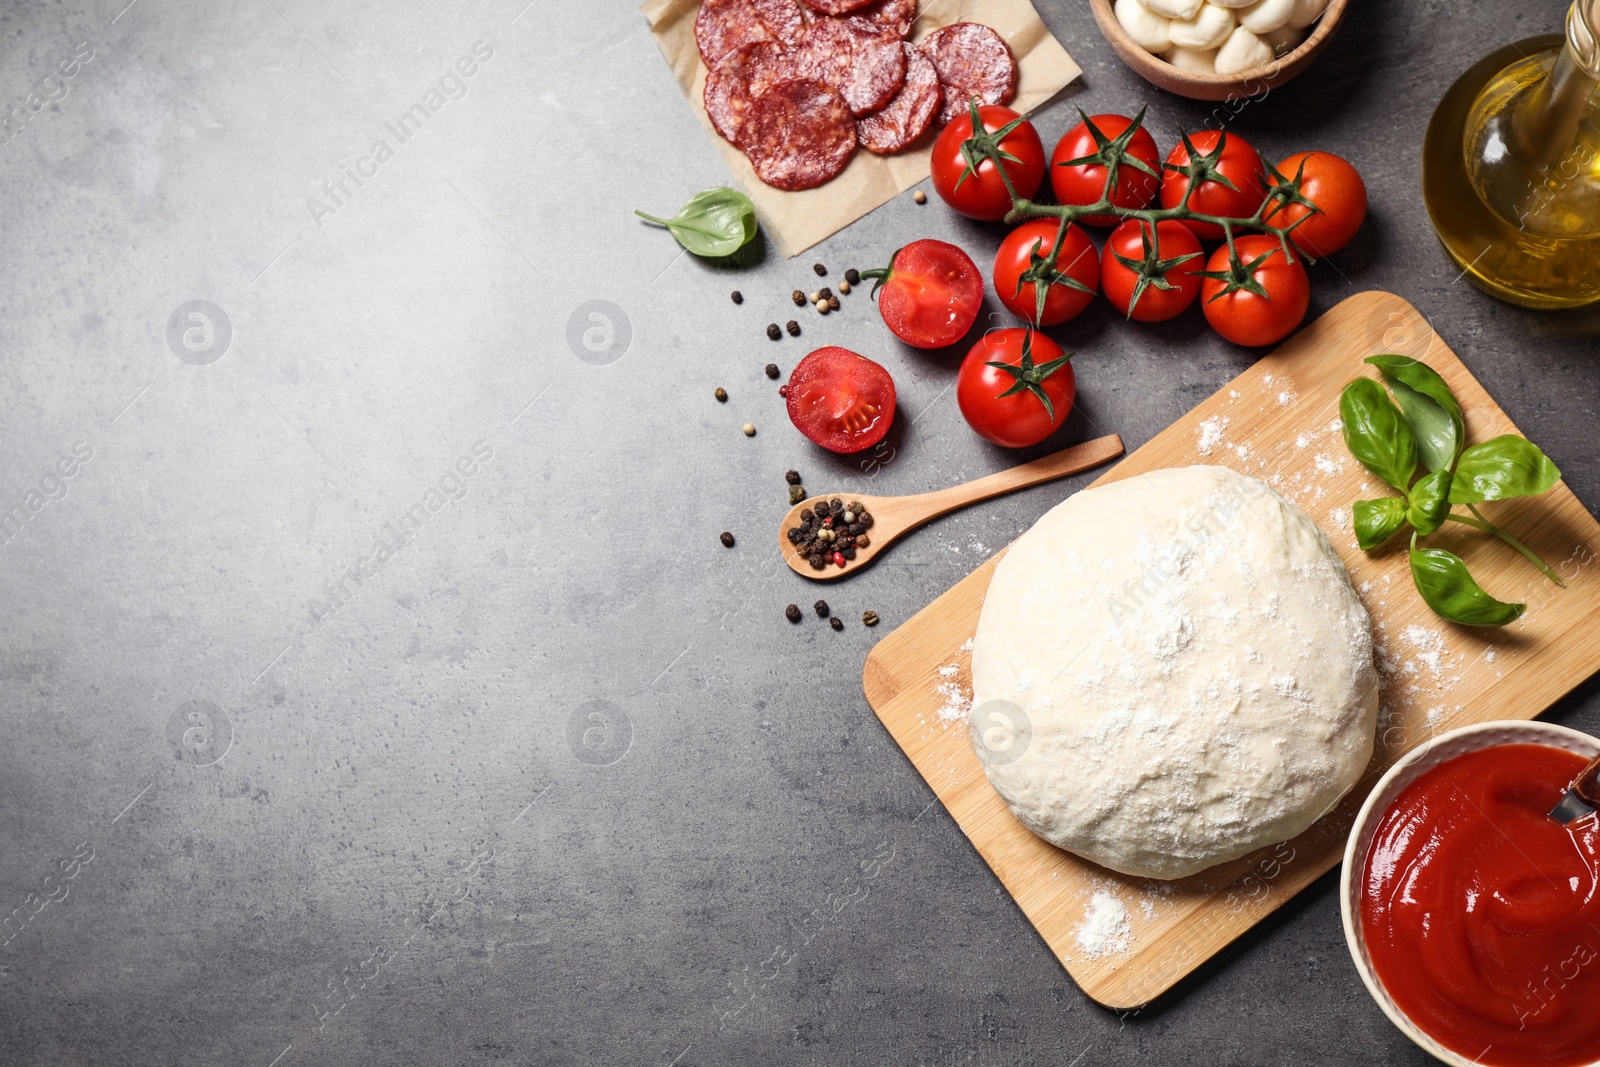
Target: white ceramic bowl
[{"x": 1410, "y": 767}]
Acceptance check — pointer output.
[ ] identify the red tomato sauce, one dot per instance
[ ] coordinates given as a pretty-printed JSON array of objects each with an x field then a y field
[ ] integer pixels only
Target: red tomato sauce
[{"x": 1482, "y": 914}]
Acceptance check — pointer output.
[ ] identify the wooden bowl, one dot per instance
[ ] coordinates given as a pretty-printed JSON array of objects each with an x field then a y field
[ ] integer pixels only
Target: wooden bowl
[{"x": 1157, "y": 71}]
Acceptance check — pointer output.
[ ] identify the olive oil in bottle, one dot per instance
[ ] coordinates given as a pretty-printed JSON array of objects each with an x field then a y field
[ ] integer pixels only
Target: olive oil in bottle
[{"x": 1511, "y": 168}]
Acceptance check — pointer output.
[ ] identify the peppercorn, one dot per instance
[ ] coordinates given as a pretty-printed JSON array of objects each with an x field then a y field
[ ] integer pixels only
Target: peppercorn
[
  {"x": 848, "y": 516},
  {"x": 852, "y": 276},
  {"x": 869, "y": 618},
  {"x": 794, "y": 328},
  {"x": 862, "y": 540},
  {"x": 792, "y": 612},
  {"x": 818, "y": 563},
  {"x": 838, "y": 559},
  {"x": 738, "y": 297},
  {"x": 844, "y": 287},
  {"x": 773, "y": 332},
  {"x": 793, "y": 534},
  {"x": 836, "y": 505},
  {"x": 920, "y": 197},
  {"x": 798, "y": 297},
  {"x": 726, "y": 539},
  {"x": 797, "y": 493},
  {"x": 749, "y": 429},
  {"x": 849, "y": 553},
  {"x": 833, "y": 302},
  {"x": 836, "y": 622},
  {"x": 792, "y": 477},
  {"x": 821, "y": 608},
  {"x": 721, "y": 394},
  {"x": 822, "y": 272},
  {"x": 865, "y": 520},
  {"x": 772, "y": 370},
  {"x": 825, "y": 293},
  {"x": 824, "y": 307},
  {"x": 783, "y": 390},
  {"x": 806, "y": 515}
]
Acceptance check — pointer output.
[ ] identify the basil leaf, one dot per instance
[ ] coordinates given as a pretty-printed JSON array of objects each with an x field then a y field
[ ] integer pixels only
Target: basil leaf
[
  {"x": 1442, "y": 579},
  {"x": 1376, "y": 434},
  {"x": 1430, "y": 408},
  {"x": 715, "y": 222},
  {"x": 1505, "y": 467},
  {"x": 1430, "y": 502},
  {"x": 1377, "y": 520}
]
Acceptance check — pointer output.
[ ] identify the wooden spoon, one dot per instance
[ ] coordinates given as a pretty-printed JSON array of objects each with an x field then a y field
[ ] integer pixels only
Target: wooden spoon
[{"x": 895, "y": 516}]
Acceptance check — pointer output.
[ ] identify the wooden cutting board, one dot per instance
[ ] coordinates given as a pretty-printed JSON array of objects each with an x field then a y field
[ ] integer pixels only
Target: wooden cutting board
[{"x": 1274, "y": 421}]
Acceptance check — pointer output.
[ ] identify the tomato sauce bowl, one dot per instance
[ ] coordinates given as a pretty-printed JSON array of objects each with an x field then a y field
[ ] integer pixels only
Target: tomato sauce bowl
[{"x": 1471, "y": 921}]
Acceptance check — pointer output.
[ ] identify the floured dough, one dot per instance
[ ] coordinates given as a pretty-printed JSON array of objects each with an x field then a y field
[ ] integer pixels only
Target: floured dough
[{"x": 1172, "y": 671}]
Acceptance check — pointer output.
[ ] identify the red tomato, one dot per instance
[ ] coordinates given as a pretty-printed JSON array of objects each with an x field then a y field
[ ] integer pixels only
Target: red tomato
[
  {"x": 1262, "y": 301},
  {"x": 1018, "y": 275},
  {"x": 981, "y": 193},
  {"x": 1171, "y": 258},
  {"x": 841, "y": 401},
  {"x": 931, "y": 293},
  {"x": 1335, "y": 189},
  {"x": 1236, "y": 161},
  {"x": 1015, "y": 388},
  {"x": 1079, "y": 165}
]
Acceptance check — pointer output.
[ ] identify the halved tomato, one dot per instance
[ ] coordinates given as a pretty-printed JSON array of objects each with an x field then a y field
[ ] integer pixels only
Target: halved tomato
[
  {"x": 931, "y": 293},
  {"x": 841, "y": 400}
]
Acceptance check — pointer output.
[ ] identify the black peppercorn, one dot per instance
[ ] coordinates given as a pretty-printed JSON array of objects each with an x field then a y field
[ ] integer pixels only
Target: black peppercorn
[
  {"x": 820, "y": 269},
  {"x": 817, "y": 563},
  {"x": 825, "y": 293},
  {"x": 799, "y": 298},
  {"x": 869, "y": 618},
  {"x": 821, "y": 607},
  {"x": 772, "y": 370},
  {"x": 848, "y": 552},
  {"x": 738, "y": 297},
  {"x": 836, "y": 622},
  {"x": 794, "y": 328},
  {"x": 806, "y": 515},
  {"x": 726, "y": 539},
  {"x": 721, "y": 394},
  {"x": 792, "y": 477},
  {"x": 852, "y": 276},
  {"x": 773, "y": 332},
  {"x": 792, "y": 612},
  {"x": 793, "y": 534}
]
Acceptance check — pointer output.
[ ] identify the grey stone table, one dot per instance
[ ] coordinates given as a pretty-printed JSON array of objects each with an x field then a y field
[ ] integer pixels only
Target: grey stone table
[{"x": 374, "y": 687}]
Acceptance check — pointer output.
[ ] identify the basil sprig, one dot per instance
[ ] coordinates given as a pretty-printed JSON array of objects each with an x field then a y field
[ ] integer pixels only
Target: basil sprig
[
  {"x": 1428, "y": 425},
  {"x": 715, "y": 222}
]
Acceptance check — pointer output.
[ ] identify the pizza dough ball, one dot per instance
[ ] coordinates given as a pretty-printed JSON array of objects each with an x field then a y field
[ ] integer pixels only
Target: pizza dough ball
[{"x": 1172, "y": 671}]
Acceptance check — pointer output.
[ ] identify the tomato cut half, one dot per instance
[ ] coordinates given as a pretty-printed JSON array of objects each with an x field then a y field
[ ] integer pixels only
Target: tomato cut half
[
  {"x": 841, "y": 400},
  {"x": 930, "y": 293}
]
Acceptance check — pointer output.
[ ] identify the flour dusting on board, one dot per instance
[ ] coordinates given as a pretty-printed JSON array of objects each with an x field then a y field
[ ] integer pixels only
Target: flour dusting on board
[{"x": 1105, "y": 930}]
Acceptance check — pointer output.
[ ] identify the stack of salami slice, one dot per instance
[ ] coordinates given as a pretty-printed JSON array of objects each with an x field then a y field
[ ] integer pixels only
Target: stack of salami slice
[{"x": 798, "y": 86}]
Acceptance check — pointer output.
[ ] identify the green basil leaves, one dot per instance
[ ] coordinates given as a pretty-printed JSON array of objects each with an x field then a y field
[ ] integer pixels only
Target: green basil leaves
[
  {"x": 1428, "y": 425},
  {"x": 715, "y": 222}
]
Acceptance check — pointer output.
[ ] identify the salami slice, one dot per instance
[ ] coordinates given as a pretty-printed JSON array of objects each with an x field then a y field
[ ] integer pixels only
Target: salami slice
[
  {"x": 896, "y": 15},
  {"x": 799, "y": 134},
  {"x": 734, "y": 83},
  {"x": 836, "y": 7},
  {"x": 724, "y": 25},
  {"x": 908, "y": 116},
  {"x": 972, "y": 60},
  {"x": 867, "y": 65},
  {"x": 784, "y": 19}
]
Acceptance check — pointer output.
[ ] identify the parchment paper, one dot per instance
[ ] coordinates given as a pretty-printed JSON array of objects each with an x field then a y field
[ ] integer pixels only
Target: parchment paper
[{"x": 797, "y": 220}]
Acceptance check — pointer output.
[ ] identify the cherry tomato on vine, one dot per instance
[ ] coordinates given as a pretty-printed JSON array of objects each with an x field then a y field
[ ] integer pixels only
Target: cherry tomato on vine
[
  {"x": 840, "y": 400},
  {"x": 1259, "y": 301},
  {"x": 1079, "y": 165},
  {"x": 1022, "y": 269},
  {"x": 1169, "y": 255},
  {"x": 1015, "y": 387},
  {"x": 981, "y": 193},
  {"x": 1223, "y": 159},
  {"x": 1338, "y": 192},
  {"x": 932, "y": 292}
]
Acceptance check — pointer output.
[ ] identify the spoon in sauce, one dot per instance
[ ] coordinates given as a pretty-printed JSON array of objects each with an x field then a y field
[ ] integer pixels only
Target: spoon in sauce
[
  {"x": 893, "y": 517},
  {"x": 1583, "y": 796}
]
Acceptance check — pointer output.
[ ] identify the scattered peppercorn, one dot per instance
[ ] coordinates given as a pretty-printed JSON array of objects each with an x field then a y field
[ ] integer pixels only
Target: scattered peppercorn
[
  {"x": 869, "y": 618},
  {"x": 772, "y": 370},
  {"x": 783, "y": 390},
  {"x": 792, "y": 612},
  {"x": 799, "y": 298},
  {"x": 797, "y": 493},
  {"x": 821, "y": 608},
  {"x": 738, "y": 297},
  {"x": 773, "y": 332},
  {"x": 749, "y": 429},
  {"x": 721, "y": 394},
  {"x": 920, "y": 197},
  {"x": 792, "y": 477},
  {"x": 852, "y": 276},
  {"x": 822, "y": 272},
  {"x": 794, "y": 328},
  {"x": 814, "y": 297},
  {"x": 824, "y": 307},
  {"x": 833, "y": 302},
  {"x": 825, "y": 293},
  {"x": 836, "y": 622},
  {"x": 726, "y": 539},
  {"x": 844, "y": 287}
]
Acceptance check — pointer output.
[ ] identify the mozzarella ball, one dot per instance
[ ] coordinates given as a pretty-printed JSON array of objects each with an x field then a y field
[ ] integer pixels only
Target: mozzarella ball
[
  {"x": 1192, "y": 61},
  {"x": 1231, "y": 3},
  {"x": 1148, "y": 30},
  {"x": 1208, "y": 29},
  {"x": 1285, "y": 40},
  {"x": 1306, "y": 12},
  {"x": 1242, "y": 51},
  {"x": 1172, "y": 9},
  {"x": 1266, "y": 15}
]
